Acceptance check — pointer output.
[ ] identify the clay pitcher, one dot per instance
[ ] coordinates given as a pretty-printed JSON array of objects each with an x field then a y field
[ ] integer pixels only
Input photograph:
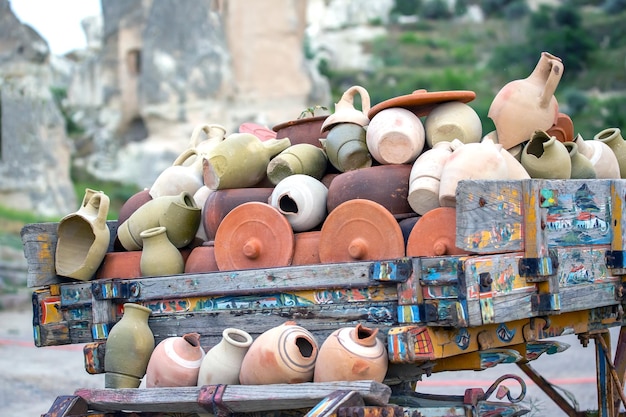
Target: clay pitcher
[
  {"x": 613, "y": 138},
  {"x": 175, "y": 362},
  {"x": 351, "y": 354},
  {"x": 523, "y": 106},
  {"x": 302, "y": 158},
  {"x": 545, "y": 157},
  {"x": 83, "y": 238},
  {"x": 203, "y": 144},
  {"x": 128, "y": 348},
  {"x": 425, "y": 177},
  {"x": 452, "y": 120},
  {"x": 285, "y": 354},
  {"x": 302, "y": 200},
  {"x": 179, "y": 177},
  {"x": 345, "y": 112},
  {"x": 222, "y": 363},
  {"x": 240, "y": 161},
  {"x": 346, "y": 147},
  {"x": 158, "y": 255},
  {"x": 602, "y": 158},
  {"x": 582, "y": 167},
  {"x": 395, "y": 136}
]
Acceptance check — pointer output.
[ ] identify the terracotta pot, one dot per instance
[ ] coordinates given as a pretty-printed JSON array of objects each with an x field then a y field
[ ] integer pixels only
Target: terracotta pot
[
  {"x": 453, "y": 120},
  {"x": 305, "y": 130},
  {"x": 395, "y": 136},
  {"x": 346, "y": 147},
  {"x": 302, "y": 200},
  {"x": 562, "y": 129},
  {"x": 352, "y": 354},
  {"x": 128, "y": 348},
  {"x": 612, "y": 137},
  {"x": 307, "y": 248},
  {"x": 219, "y": 203},
  {"x": 298, "y": 159},
  {"x": 83, "y": 238},
  {"x": 581, "y": 165},
  {"x": 126, "y": 264},
  {"x": 179, "y": 177},
  {"x": 425, "y": 178},
  {"x": 175, "y": 362},
  {"x": 602, "y": 158},
  {"x": 546, "y": 157},
  {"x": 202, "y": 259},
  {"x": 132, "y": 204},
  {"x": 285, "y": 354},
  {"x": 345, "y": 111},
  {"x": 434, "y": 234},
  {"x": 240, "y": 161},
  {"x": 523, "y": 106},
  {"x": 222, "y": 363},
  {"x": 360, "y": 230},
  {"x": 387, "y": 185},
  {"x": 260, "y": 131},
  {"x": 253, "y": 235},
  {"x": 159, "y": 256}
]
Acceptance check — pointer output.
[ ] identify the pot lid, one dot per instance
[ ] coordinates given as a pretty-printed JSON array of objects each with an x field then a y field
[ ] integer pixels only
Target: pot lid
[
  {"x": 434, "y": 234},
  {"x": 421, "y": 102}
]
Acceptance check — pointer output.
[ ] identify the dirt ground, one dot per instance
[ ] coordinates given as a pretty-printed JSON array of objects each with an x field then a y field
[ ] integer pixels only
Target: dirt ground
[{"x": 33, "y": 377}]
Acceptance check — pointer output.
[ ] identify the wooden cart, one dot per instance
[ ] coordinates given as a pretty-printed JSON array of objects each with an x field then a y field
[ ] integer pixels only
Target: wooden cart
[{"x": 546, "y": 260}]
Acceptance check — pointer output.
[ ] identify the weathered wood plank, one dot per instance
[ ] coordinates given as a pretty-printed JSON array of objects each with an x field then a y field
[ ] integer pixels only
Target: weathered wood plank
[
  {"x": 237, "y": 398},
  {"x": 489, "y": 216}
]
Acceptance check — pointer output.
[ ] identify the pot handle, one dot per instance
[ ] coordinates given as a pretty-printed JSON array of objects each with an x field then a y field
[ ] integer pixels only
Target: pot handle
[
  {"x": 187, "y": 153},
  {"x": 556, "y": 71},
  {"x": 348, "y": 98},
  {"x": 99, "y": 203},
  {"x": 210, "y": 131}
]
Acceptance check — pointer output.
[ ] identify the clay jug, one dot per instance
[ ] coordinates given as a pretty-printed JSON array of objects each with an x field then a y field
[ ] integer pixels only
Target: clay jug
[
  {"x": 477, "y": 161},
  {"x": 83, "y": 238},
  {"x": 351, "y": 354},
  {"x": 425, "y": 176},
  {"x": 545, "y": 157},
  {"x": 581, "y": 165},
  {"x": 205, "y": 136},
  {"x": 301, "y": 158},
  {"x": 175, "y": 362},
  {"x": 346, "y": 147},
  {"x": 158, "y": 255},
  {"x": 613, "y": 138},
  {"x": 179, "y": 177},
  {"x": 128, "y": 348},
  {"x": 453, "y": 120},
  {"x": 302, "y": 200},
  {"x": 240, "y": 161},
  {"x": 178, "y": 214},
  {"x": 395, "y": 136},
  {"x": 222, "y": 363},
  {"x": 523, "y": 106},
  {"x": 345, "y": 112},
  {"x": 602, "y": 158},
  {"x": 285, "y": 354}
]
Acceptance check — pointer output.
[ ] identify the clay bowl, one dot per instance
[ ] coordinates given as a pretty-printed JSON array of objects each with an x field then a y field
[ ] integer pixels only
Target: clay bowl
[
  {"x": 305, "y": 130},
  {"x": 434, "y": 234},
  {"x": 387, "y": 185}
]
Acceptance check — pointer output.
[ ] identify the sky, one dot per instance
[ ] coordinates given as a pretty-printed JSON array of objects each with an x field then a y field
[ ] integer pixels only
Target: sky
[{"x": 58, "y": 21}]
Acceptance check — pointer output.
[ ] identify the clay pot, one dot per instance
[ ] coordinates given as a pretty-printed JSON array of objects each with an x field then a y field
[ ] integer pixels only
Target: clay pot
[
  {"x": 613, "y": 138},
  {"x": 285, "y": 354},
  {"x": 128, "y": 348},
  {"x": 581, "y": 165},
  {"x": 434, "y": 234},
  {"x": 305, "y": 130},
  {"x": 158, "y": 255},
  {"x": 178, "y": 178},
  {"x": 387, "y": 185},
  {"x": 205, "y": 137},
  {"x": 202, "y": 259},
  {"x": 240, "y": 161},
  {"x": 479, "y": 161},
  {"x": 395, "y": 136},
  {"x": 120, "y": 265},
  {"x": 453, "y": 120},
  {"x": 220, "y": 202},
  {"x": 175, "y": 362},
  {"x": 360, "y": 230},
  {"x": 345, "y": 111},
  {"x": 222, "y": 363},
  {"x": 351, "y": 354},
  {"x": 260, "y": 131},
  {"x": 298, "y": 159},
  {"x": 602, "y": 158},
  {"x": 425, "y": 178},
  {"x": 253, "y": 235},
  {"x": 523, "y": 106},
  {"x": 562, "y": 129},
  {"x": 302, "y": 200},
  {"x": 132, "y": 204},
  {"x": 178, "y": 214},
  {"x": 306, "y": 248},
  {"x": 83, "y": 238},
  {"x": 546, "y": 157},
  {"x": 346, "y": 147}
]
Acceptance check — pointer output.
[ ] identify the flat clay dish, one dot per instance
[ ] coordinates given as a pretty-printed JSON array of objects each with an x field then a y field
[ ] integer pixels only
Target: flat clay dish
[{"x": 421, "y": 102}]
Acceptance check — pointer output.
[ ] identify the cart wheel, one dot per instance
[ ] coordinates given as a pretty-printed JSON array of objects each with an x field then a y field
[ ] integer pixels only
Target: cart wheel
[
  {"x": 253, "y": 235},
  {"x": 360, "y": 230},
  {"x": 434, "y": 234}
]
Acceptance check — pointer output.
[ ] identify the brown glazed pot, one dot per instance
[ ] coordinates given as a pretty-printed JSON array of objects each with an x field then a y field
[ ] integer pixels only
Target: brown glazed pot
[
  {"x": 305, "y": 130},
  {"x": 220, "y": 202},
  {"x": 387, "y": 185}
]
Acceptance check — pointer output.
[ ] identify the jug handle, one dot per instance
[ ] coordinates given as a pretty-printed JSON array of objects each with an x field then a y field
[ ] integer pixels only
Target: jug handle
[
  {"x": 556, "y": 71},
  {"x": 348, "y": 96},
  {"x": 208, "y": 130},
  {"x": 187, "y": 153},
  {"x": 100, "y": 202}
]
